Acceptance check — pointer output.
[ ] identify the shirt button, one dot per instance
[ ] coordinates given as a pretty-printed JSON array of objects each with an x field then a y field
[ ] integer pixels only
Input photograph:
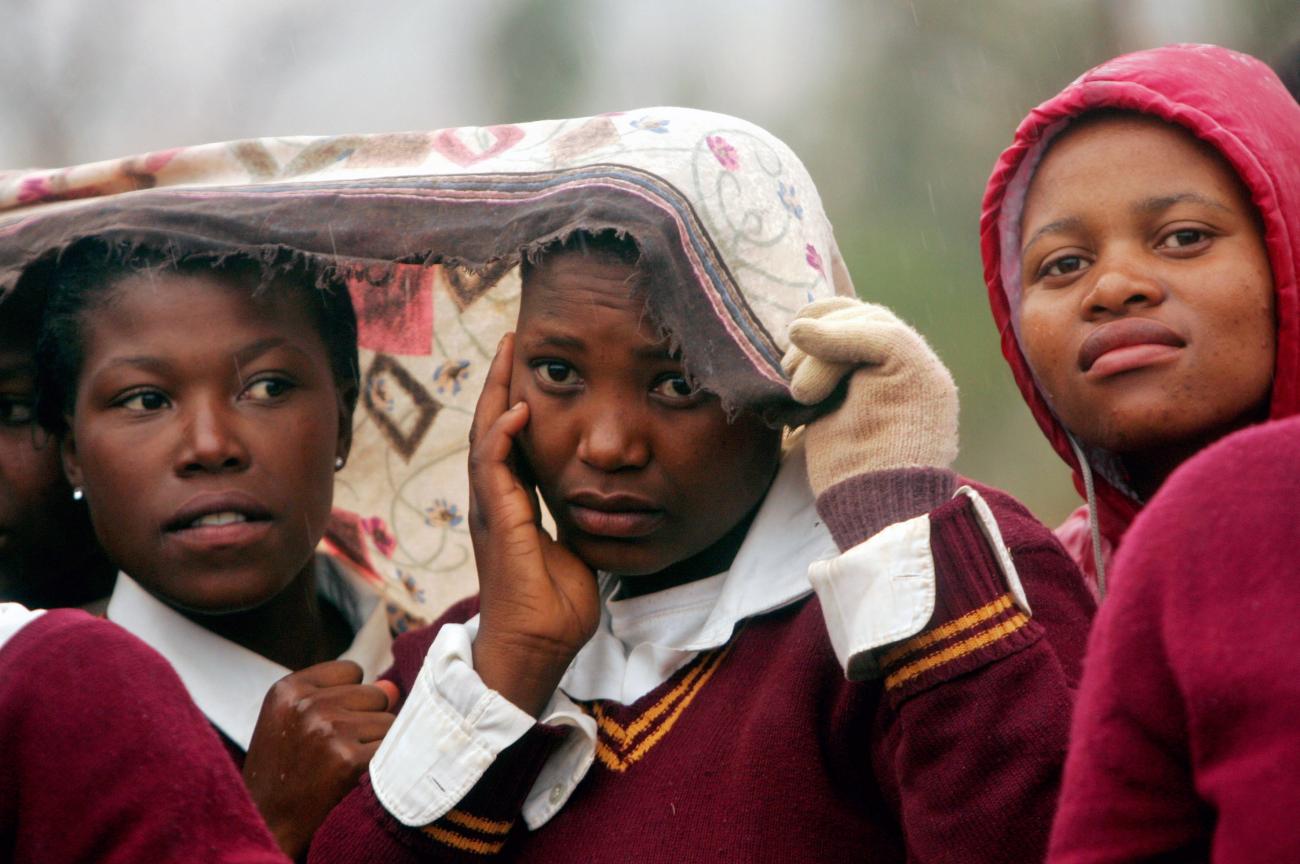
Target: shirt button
[{"x": 557, "y": 793}]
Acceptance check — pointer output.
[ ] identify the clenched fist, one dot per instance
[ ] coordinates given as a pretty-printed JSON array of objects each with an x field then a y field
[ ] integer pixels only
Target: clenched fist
[
  {"x": 901, "y": 407},
  {"x": 315, "y": 735}
]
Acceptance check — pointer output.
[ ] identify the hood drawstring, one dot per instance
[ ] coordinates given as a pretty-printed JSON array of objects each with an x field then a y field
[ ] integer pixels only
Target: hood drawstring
[{"x": 1094, "y": 528}]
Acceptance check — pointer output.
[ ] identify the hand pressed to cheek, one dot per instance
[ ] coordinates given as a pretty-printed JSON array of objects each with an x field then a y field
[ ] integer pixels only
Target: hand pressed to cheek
[{"x": 537, "y": 601}]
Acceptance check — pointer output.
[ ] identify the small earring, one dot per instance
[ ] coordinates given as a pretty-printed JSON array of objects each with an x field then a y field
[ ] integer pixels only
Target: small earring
[
  {"x": 77, "y": 493},
  {"x": 338, "y": 463}
]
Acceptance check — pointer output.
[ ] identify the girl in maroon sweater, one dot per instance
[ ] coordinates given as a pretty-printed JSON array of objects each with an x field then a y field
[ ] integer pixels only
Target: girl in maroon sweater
[
  {"x": 1184, "y": 747},
  {"x": 1141, "y": 241},
  {"x": 1141, "y": 238},
  {"x": 202, "y": 409},
  {"x": 689, "y": 671}
]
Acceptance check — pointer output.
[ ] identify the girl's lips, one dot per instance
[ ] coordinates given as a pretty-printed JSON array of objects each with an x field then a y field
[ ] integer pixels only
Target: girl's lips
[
  {"x": 1129, "y": 358},
  {"x": 1127, "y": 344},
  {"x": 623, "y": 524},
  {"x": 192, "y": 525},
  {"x": 204, "y": 538},
  {"x": 211, "y": 503}
]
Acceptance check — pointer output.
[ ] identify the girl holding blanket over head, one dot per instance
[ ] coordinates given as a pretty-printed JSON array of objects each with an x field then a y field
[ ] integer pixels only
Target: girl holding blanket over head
[{"x": 666, "y": 650}]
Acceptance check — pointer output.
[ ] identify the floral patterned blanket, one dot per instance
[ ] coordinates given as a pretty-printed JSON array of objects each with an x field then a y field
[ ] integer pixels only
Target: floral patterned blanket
[{"x": 427, "y": 229}]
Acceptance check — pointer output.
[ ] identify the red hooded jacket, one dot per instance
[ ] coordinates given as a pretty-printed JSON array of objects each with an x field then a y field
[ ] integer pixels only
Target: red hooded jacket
[{"x": 1236, "y": 104}]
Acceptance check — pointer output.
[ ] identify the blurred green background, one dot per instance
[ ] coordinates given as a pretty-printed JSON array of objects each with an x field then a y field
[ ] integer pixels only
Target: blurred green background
[{"x": 898, "y": 108}]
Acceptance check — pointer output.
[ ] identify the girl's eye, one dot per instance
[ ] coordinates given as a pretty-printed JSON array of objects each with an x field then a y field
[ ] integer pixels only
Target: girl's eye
[
  {"x": 266, "y": 389},
  {"x": 557, "y": 373},
  {"x": 16, "y": 411},
  {"x": 1066, "y": 265},
  {"x": 1183, "y": 238},
  {"x": 676, "y": 388},
  {"x": 144, "y": 400}
]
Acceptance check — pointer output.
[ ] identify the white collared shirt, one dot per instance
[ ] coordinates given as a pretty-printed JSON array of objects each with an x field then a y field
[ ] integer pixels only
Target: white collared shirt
[
  {"x": 227, "y": 681},
  {"x": 13, "y": 618}
]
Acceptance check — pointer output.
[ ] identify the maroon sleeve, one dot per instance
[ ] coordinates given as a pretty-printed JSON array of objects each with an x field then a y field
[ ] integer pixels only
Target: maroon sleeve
[
  {"x": 857, "y": 508},
  {"x": 1128, "y": 793},
  {"x": 480, "y": 827},
  {"x": 974, "y": 719},
  {"x": 108, "y": 760},
  {"x": 409, "y": 648},
  {"x": 1185, "y": 744}
]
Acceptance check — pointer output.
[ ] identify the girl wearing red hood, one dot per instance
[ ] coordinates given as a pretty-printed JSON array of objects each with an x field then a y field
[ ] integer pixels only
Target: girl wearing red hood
[{"x": 1140, "y": 240}]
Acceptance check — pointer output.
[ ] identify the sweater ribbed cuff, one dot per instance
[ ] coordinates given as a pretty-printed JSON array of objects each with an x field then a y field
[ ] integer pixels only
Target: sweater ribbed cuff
[
  {"x": 977, "y": 618},
  {"x": 483, "y": 821},
  {"x": 859, "y": 507}
]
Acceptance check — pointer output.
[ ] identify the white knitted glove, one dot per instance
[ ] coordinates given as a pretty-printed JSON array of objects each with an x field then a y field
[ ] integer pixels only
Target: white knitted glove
[{"x": 901, "y": 406}]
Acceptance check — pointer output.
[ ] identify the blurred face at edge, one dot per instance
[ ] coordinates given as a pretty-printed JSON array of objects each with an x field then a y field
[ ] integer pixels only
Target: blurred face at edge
[{"x": 48, "y": 554}]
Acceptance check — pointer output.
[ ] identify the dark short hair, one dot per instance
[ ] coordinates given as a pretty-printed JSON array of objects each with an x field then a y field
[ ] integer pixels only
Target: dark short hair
[
  {"x": 82, "y": 280},
  {"x": 609, "y": 245},
  {"x": 1287, "y": 67}
]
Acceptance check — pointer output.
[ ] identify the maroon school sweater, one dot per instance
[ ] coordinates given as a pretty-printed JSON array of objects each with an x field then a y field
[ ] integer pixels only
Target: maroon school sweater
[
  {"x": 1187, "y": 743},
  {"x": 107, "y": 760},
  {"x": 762, "y": 751}
]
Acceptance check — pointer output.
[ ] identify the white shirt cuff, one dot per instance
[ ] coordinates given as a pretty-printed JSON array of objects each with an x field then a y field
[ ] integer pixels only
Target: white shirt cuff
[
  {"x": 993, "y": 534},
  {"x": 447, "y": 734},
  {"x": 14, "y": 617},
  {"x": 876, "y": 593},
  {"x": 567, "y": 766},
  {"x": 451, "y": 729}
]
